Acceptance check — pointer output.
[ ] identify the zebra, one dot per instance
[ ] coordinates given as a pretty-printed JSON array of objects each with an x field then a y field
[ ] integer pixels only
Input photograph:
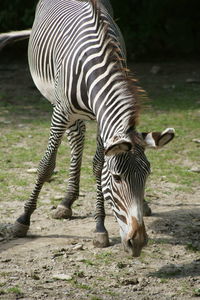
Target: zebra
[{"x": 77, "y": 60}]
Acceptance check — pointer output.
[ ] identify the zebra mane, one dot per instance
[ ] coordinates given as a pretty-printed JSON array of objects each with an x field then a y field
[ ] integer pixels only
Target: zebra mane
[{"x": 136, "y": 94}]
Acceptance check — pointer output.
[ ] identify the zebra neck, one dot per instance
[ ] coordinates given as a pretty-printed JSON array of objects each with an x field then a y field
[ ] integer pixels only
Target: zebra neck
[{"x": 115, "y": 117}]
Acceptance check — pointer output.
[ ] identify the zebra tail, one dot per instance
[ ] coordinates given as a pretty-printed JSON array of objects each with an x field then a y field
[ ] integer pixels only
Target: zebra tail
[{"x": 13, "y": 36}]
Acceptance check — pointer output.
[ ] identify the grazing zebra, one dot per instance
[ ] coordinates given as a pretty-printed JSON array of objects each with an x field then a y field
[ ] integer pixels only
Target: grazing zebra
[{"x": 77, "y": 60}]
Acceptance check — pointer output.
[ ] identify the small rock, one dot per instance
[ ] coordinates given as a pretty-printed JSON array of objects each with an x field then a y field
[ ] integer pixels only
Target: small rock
[
  {"x": 155, "y": 70},
  {"x": 57, "y": 255},
  {"x": 35, "y": 276},
  {"x": 62, "y": 277},
  {"x": 192, "y": 80},
  {"x": 32, "y": 170},
  {"x": 196, "y": 141},
  {"x": 131, "y": 281},
  {"x": 53, "y": 207},
  {"x": 14, "y": 277},
  {"x": 58, "y": 197},
  {"x": 78, "y": 247},
  {"x": 6, "y": 260},
  {"x": 7, "y": 122},
  {"x": 195, "y": 169},
  {"x": 169, "y": 86}
]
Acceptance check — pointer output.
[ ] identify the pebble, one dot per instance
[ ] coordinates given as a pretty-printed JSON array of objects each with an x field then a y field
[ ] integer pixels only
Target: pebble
[
  {"x": 62, "y": 277},
  {"x": 78, "y": 247},
  {"x": 32, "y": 171},
  {"x": 58, "y": 197},
  {"x": 155, "y": 70},
  {"x": 195, "y": 169},
  {"x": 53, "y": 207},
  {"x": 6, "y": 260},
  {"x": 14, "y": 278},
  {"x": 169, "y": 86},
  {"x": 196, "y": 141},
  {"x": 192, "y": 80},
  {"x": 131, "y": 281}
]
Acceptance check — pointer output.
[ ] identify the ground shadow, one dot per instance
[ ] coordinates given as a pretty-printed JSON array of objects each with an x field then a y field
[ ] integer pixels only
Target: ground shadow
[
  {"x": 10, "y": 241},
  {"x": 182, "y": 225},
  {"x": 178, "y": 271},
  {"x": 183, "y": 228},
  {"x": 19, "y": 97}
]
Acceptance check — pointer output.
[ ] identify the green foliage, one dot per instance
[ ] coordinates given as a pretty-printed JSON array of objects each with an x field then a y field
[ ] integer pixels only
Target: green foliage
[
  {"x": 159, "y": 27},
  {"x": 16, "y": 14},
  {"x": 153, "y": 27}
]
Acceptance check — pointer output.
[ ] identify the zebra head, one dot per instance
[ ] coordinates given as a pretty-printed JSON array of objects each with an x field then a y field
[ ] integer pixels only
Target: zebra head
[{"x": 126, "y": 169}]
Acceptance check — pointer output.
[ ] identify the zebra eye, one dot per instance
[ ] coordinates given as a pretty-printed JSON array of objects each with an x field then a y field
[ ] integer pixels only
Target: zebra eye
[{"x": 117, "y": 178}]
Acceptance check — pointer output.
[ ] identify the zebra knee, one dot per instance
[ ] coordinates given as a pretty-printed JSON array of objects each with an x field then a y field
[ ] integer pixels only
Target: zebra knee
[{"x": 45, "y": 170}]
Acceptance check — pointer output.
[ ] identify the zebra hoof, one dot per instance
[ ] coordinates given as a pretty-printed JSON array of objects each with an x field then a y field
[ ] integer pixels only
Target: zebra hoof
[
  {"x": 146, "y": 209},
  {"x": 101, "y": 239},
  {"x": 62, "y": 212},
  {"x": 19, "y": 229}
]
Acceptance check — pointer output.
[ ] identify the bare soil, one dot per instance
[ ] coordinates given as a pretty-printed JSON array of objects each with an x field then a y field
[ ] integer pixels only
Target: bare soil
[{"x": 57, "y": 260}]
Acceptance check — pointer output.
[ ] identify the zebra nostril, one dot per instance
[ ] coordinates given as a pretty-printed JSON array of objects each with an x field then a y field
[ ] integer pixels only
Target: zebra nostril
[
  {"x": 133, "y": 248},
  {"x": 130, "y": 243}
]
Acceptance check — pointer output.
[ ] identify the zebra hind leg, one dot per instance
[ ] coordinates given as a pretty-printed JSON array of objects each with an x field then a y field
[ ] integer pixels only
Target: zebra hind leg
[
  {"x": 45, "y": 170},
  {"x": 75, "y": 135},
  {"x": 101, "y": 238}
]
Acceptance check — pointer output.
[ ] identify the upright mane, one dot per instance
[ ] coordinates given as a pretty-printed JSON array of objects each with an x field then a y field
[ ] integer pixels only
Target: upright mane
[{"x": 130, "y": 83}]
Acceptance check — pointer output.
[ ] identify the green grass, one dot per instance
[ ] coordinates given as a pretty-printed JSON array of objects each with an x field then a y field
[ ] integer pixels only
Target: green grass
[
  {"x": 95, "y": 298},
  {"x": 178, "y": 108},
  {"x": 196, "y": 292},
  {"x": 25, "y": 120},
  {"x": 192, "y": 248},
  {"x": 12, "y": 290},
  {"x": 88, "y": 262}
]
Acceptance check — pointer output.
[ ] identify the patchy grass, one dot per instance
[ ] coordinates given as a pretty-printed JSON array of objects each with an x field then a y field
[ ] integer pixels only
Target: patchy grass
[
  {"x": 171, "y": 256},
  {"x": 12, "y": 290},
  {"x": 25, "y": 121},
  {"x": 173, "y": 103},
  {"x": 192, "y": 248}
]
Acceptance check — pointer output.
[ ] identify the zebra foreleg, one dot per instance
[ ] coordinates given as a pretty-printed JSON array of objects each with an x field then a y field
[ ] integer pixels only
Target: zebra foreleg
[
  {"x": 101, "y": 238},
  {"x": 45, "y": 170},
  {"x": 76, "y": 136},
  {"x": 146, "y": 209}
]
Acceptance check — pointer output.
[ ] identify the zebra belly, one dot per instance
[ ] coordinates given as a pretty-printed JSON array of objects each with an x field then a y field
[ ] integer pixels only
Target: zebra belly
[
  {"x": 48, "y": 91},
  {"x": 46, "y": 88}
]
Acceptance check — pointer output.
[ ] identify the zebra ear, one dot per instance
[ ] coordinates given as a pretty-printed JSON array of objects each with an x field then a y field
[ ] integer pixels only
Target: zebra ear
[
  {"x": 158, "y": 139},
  {"x": 117, "y": 145}
]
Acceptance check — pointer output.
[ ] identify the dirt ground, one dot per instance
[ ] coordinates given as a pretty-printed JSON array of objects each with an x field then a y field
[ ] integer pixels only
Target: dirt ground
[{"x": 57, "y": 259}]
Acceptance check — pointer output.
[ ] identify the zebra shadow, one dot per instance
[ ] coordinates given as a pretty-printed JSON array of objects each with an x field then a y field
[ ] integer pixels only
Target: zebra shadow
[{"x": 8, "y": 240}]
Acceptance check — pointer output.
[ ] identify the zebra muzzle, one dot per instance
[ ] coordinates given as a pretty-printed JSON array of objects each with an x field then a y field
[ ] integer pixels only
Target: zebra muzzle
[{"x": 136, "y": 238}]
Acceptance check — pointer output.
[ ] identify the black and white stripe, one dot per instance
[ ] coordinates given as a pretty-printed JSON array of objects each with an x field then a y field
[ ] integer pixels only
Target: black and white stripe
[{"x": 77, "y": 60}]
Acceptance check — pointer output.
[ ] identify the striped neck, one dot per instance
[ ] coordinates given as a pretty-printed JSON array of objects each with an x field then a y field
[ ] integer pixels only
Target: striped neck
[{"x": 113, "y": 104}]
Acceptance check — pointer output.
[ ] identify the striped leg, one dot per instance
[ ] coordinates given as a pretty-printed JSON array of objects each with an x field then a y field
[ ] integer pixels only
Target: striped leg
[
  {"x": 101, "y": 238},
  {"x": 45, "y": 170},
  {"x": 75, "y": 135},
  {"x": 146, "y": 209}
]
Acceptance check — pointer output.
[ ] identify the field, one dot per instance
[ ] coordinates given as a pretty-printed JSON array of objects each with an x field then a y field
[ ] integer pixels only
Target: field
[{"x": 57, "y": 259}]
